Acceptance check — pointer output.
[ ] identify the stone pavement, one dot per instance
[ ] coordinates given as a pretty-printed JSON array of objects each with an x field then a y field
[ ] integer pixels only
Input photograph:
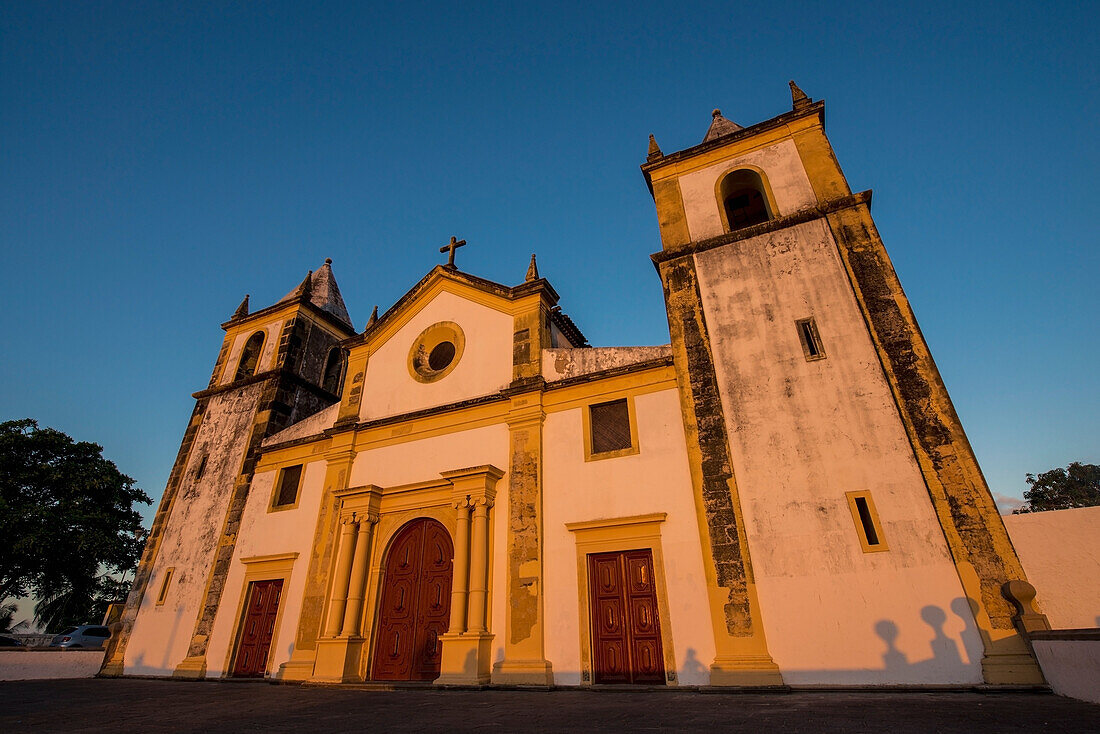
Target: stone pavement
[{"x": 133, "y": 705}]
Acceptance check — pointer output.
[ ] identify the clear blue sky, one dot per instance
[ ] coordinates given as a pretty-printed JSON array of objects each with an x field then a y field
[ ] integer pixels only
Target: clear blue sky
[{"x": 159, "y": 161}]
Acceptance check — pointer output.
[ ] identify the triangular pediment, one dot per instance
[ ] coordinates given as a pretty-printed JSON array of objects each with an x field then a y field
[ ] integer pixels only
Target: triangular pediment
[{"x": 441, "y": 279}]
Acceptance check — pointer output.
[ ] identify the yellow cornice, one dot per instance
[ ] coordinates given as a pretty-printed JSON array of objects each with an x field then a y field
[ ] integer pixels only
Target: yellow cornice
[
  {"x": 735, "y": 147},
  {"x": 499, "y": 412}
]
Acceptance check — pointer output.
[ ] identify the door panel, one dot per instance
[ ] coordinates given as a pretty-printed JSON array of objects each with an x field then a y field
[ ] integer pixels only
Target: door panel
[
  {"x": 415, "y": 603},
  {"x": 257, "y": 628},
  {"x": 626, "y": 631}
]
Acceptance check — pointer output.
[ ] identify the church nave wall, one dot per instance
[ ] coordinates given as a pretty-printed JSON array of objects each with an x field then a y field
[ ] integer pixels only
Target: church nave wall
[{"x": 655, "y": 480}]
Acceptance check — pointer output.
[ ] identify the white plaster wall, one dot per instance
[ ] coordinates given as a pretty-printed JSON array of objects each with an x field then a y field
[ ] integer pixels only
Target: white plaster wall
[
  {"x": 310, "y": 426},
  {"x": 18, "y": 664},
  {"x": 656, "y": 479},
  {"x": 423, "y": 460},
  {"x": 161, "y": 634},
  {"x": 267, "y": 354},
  {"x": 1071, "y": 667},
  {"x": 1060, "y": 551},
  {"x": 781, "y": 165},
  {"x": 485, "y": 366},
  {"x": 265, "y": 533},
  {"x": 802, "y": 433}
]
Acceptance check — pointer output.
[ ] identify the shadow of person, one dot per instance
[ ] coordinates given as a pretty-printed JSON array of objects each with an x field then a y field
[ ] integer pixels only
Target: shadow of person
[
  {"x": 691, "y": 665},
  {"x": 893, "y": 658},
  {"x": 944, "y": 649}
]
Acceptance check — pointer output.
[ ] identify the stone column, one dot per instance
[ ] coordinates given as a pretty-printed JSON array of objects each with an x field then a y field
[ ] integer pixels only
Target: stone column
[
  {"x": 358, "y": 580},
  {"x": 479, "y": 565},
  {"x": 467, "y": 645},
  {"x": 339, "y": 596},
  {"x": 459, "y": 586}
]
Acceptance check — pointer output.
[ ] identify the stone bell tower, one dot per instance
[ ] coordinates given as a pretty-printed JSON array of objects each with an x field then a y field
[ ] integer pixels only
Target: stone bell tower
[
  {"x": 835, "y": 487},
  {"x": 276, "y": 366}
]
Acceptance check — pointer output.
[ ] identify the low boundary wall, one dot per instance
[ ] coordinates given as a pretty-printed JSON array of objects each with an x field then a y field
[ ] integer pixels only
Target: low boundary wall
[
  {"x": 38, "y": 664},
  {"x": 1070, "y": 660}
]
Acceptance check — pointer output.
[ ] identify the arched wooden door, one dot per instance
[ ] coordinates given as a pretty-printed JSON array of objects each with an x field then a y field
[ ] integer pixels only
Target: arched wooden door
[{"x": 415, "y": 604}]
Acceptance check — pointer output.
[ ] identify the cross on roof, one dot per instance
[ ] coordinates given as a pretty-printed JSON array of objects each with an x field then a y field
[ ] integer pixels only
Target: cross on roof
[{"x": 450, "y": 248}]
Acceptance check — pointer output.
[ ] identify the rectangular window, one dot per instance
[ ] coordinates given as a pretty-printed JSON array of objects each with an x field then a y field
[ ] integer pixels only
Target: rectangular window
[
  {"x": 164, "y": 585},
  {"x": 609, "y": 429},
  {"x": 811, "y": 340},
  {"x": 868, "y": 527},
  {"x": 286, "y": 492}
]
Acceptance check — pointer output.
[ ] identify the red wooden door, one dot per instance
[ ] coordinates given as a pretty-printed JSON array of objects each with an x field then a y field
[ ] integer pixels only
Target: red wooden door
[
  {"x": 626, "y": 632},
  {"x": 257, "y": 628},
  {"x": 416, "y": 603}
]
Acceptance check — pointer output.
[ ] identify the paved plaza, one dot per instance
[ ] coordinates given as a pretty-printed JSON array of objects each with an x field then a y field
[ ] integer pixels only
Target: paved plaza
[{"x": 132, "y": 705}]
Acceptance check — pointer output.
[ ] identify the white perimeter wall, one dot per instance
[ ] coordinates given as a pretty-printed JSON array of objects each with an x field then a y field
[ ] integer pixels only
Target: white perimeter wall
[
  {"x": 162, "y": 633},
  {"x": 802, "y": 434},
  {"x": 656, "y": 479},
  {"x": 485, "y": 366},
  {"x": 1060, "y": 551},
  {"x": 16, "y": 664}
]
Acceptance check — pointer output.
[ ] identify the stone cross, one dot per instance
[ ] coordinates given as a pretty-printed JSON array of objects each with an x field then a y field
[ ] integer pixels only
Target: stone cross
[{"x": 450, "y": 248}]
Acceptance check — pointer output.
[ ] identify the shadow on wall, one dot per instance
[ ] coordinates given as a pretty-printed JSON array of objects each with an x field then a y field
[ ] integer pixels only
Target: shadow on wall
[
  {"x": 946, "y": 663},
  {"x": 165, "y": 667}
]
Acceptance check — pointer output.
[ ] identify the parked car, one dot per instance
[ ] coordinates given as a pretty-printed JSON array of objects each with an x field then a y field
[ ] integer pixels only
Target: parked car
[
  {"x": 9, "y": 642},
  {"x": 86, "y": 635}
]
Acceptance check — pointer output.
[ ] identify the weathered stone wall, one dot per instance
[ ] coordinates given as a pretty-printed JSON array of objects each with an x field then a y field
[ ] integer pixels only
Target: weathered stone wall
[
  {"x": 802, "y": 434},
  {"x": 559, "y": 364},
  {"x": 161, "y": 634}
]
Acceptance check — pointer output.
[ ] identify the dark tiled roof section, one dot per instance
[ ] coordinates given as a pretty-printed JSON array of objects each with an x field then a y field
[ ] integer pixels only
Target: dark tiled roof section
[{"x": 566, "y": 326}]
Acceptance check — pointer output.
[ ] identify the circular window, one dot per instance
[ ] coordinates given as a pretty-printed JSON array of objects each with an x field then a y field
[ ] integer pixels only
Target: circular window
[
  {"x": 436, "y": 351},
  {"x": 442, "y": 355}
]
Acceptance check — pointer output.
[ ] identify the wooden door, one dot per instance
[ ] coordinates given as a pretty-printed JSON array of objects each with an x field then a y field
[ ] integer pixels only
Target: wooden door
[
  {"x": 626, "y": 631},
  {"x": 415, "y": 605},
  {"x": 257, "y": 628}
]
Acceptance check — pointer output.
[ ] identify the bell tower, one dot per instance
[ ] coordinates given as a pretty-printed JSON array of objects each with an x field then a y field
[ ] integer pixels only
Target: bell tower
[
  {"x": 276, "y": 366},
  {"x": 832, "y": 477}
]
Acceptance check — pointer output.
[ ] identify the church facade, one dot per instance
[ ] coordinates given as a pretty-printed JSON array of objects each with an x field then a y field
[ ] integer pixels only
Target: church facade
[{"x": 466, "y": 492}]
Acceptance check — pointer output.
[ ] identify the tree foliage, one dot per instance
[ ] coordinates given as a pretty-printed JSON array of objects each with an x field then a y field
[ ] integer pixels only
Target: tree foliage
[
  {"x": 1078, "y": 485},
  {"x": 67, "y": 523}
]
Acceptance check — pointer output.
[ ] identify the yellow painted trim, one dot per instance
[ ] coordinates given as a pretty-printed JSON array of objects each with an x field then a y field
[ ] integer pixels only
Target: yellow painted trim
[
  {"x": 657, "y": 379},
  {"x": 164, "y": 586},
  {"x": 276, "y": 489},
  {"x": 260, "y": 568},
  {"x": 864, "y": 542},
  {"x": 303, "y": 453},
  {"x": 637, "y": 532},
  {"x": 769, "y": 197},
  {"x": 616, "y": 522},
  {"x": 632, "y": 419},
  {"x": 429, "y": 339}
]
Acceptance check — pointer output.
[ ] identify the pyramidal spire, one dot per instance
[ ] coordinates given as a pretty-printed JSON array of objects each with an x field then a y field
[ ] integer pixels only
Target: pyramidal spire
[
  {"x": 242, "y": 310},
  {"x": 799, "y": 100},
  {"x": 720, "y": 127},
  {"x": 532, "y": 270},
  {"x": 373, "y": 318},
  {"x": 654, "y": 150},
  {"x": 320, "y": 289}
]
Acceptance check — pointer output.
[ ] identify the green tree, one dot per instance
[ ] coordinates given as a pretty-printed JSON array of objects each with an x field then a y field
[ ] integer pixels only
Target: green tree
[
  {"x": 1078, "y": 485},
  {"x": 68, "y": 525}
]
